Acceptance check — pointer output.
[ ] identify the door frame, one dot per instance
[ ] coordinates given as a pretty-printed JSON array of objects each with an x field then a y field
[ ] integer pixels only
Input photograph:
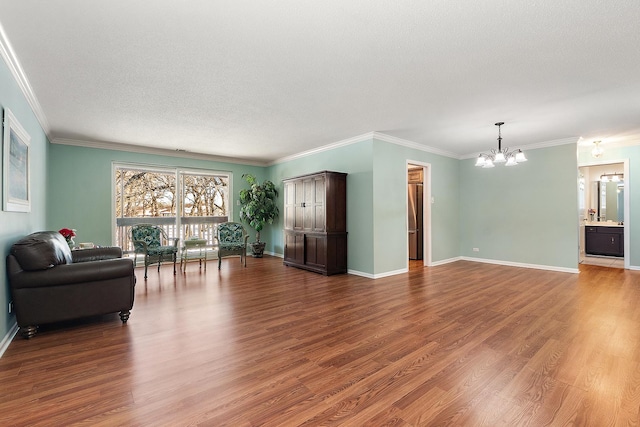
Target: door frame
[
  {"x": 627, "y": 216},
  {"x": 426, "y": 210}
]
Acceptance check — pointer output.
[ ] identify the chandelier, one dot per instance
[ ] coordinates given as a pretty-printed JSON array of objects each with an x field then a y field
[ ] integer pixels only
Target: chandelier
[
  {"x": 509, "y": 158},
  {"x": 597, "y": 150}
]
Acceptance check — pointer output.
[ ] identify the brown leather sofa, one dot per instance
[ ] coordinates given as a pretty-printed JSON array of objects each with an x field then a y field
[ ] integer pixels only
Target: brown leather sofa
[{"x": 50, "y": 283}]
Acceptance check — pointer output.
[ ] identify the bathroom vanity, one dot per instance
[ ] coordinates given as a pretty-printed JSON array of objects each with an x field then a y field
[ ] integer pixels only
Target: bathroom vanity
[{"x": 604, "y": 238}]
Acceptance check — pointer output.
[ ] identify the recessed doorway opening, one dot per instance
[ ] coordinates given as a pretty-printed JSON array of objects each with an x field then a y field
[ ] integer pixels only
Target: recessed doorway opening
[
  {"x": 418, "y": 190},
  {"x": 603, "y": 206}
]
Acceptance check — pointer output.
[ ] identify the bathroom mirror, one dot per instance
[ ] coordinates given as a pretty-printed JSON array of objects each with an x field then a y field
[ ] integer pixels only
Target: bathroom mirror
[{"x": 608, "y": 197}]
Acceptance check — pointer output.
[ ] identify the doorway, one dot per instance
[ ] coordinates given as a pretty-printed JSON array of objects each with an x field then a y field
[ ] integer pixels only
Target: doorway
[
  {"x": 603, "y": 206},
  {"x": 418, "y": 203}
]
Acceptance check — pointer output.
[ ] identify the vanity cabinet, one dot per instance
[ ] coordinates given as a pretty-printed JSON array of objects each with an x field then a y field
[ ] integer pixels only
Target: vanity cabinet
[
  {"x": 315, "y": 222},
  {"x": 604, "y": 240}
]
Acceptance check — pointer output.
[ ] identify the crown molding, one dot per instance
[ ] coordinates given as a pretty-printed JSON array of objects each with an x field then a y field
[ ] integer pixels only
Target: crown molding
[
  {"x": 545, "y": 144},
  {"x": 344, "y": 142},
  {"x": 410, "y": 144},
  {"x": 152, "y": 150},
  {"x": 617, "y": 144},
  {"x": 626, "y": 142},
  {"x": 366, "y": 137},
  {"x": 10, "y": 58}
]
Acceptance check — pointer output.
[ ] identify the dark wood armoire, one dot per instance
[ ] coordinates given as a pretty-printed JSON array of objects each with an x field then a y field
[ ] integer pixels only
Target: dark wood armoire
[{"x": 315, "y": 222}]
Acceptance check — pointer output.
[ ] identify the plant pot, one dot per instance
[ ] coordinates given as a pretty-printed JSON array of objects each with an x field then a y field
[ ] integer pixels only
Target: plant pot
[{"x": 257, "y": 249}]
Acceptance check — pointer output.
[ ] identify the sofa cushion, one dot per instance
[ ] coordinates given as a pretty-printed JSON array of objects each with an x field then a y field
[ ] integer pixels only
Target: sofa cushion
[{"x": 41, "y": 250}]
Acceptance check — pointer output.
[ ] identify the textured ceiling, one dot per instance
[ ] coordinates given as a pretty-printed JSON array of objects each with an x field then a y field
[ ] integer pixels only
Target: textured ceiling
[{"x": 258, "y": 80}]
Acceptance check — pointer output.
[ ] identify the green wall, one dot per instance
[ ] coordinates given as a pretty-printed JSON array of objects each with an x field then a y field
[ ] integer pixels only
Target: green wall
[
  {"x": 615, "y": 155},
  {"x": 376, "y": 202},
  {"x": 526, "y": 214},
  {"x": 80, "y": 186},
  {"x": 14, "y": 225},
  {"x": 80, "y": 177},
  {"x": 390, "y": 205},
  {"x": 356, "y": 160}
]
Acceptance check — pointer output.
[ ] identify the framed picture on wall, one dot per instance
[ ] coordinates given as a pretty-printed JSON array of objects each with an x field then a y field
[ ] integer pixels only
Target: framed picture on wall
[{"x": 16, "y": 169}]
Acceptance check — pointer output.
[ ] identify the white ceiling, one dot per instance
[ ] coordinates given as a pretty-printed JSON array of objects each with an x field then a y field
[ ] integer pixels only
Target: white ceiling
[{"x": 262, "y": 80}]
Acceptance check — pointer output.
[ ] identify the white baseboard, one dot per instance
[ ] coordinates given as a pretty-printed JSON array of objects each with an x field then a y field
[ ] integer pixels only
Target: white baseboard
[
  {"x": 445, "y": 261},
  {"x": 522, "y": 265},
  {"x": 274, "y": 254},
  {"x": 4, "y": 344},
  {"x": 377, "y": 276},
  {"x": 634, "y": 267},
  {"x": 360, "y": 273},
  {"x": 400, "y": 271},
  {"x": 460, "y": 258}
]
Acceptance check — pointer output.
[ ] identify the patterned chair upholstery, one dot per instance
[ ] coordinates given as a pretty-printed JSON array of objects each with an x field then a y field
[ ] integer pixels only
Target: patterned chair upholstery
[
  {"x": 232, "y": 240},
  {"x": 152, "y": 242}
]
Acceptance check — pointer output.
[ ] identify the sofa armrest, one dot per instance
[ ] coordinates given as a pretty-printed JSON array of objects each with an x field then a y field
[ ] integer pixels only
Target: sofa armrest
[
  {"x": 96, "y": 254},
  {"x": 68, "y": 274}
]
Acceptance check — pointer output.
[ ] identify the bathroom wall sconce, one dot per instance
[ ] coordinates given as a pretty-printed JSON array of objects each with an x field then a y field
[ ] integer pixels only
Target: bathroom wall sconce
[{"x": 613, "y": 177}]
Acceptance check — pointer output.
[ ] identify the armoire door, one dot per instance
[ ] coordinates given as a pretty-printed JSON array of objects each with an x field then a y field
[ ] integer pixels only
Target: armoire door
[
  {"x": 294, "y": 247},
  {"x": 316, "y": 250}
]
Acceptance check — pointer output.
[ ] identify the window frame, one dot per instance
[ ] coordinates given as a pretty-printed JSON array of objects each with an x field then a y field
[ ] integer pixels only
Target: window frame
[{"x": 177, "y": 171}]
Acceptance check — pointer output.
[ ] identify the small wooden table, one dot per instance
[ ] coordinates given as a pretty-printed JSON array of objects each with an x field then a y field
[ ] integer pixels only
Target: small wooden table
[{"x": 193, "y": 249}]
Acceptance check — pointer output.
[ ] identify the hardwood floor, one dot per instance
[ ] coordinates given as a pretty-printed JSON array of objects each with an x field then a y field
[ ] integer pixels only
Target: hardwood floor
[{"x": 463, "y": 344}]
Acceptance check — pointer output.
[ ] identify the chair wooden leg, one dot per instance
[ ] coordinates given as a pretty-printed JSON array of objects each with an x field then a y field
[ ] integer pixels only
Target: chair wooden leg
[
  {"x": 219, "y": 261},
  {"x": 146, "y": 264},
  {"x": 174, "y": 264}
]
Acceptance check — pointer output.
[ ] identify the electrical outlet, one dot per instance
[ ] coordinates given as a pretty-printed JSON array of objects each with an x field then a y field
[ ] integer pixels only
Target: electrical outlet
[
  {"x": 476, "y": 249},
  {"x": 10, "y": 307}
]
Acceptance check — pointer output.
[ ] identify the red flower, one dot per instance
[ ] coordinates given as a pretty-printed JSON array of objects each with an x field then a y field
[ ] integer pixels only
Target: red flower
[{"x": 67, "y": 233}]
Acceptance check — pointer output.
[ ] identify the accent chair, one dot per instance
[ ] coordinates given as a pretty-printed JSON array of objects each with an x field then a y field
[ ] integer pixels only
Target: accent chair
[
  {"x": 152, "y": 242},
  {"x": 232, "y": 240}
]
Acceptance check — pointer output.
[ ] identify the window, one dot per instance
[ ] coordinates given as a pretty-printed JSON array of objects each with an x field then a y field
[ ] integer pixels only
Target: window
[{"x": 155, "y": 196}]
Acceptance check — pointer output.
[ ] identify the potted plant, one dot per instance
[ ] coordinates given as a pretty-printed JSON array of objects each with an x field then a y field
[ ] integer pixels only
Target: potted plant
[{"x": 258, "y": 207}]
